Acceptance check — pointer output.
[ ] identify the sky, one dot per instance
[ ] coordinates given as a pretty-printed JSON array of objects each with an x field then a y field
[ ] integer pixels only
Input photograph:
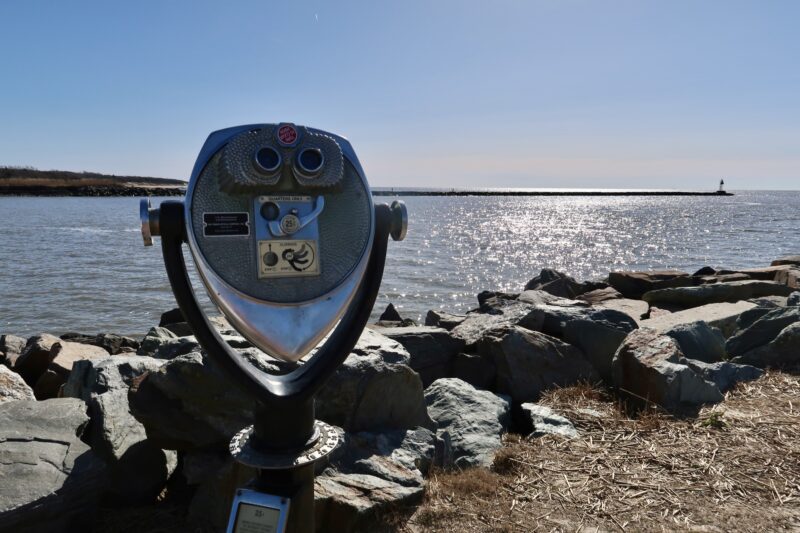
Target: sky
[{"x": 559, "y": 93}]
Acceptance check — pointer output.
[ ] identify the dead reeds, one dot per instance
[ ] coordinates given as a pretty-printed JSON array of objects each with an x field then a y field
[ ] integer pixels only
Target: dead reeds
[{"x": 735, "y": 466}]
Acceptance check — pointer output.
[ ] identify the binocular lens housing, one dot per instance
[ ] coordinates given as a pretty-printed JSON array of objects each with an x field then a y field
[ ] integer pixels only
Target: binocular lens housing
[
  {"x": 309, "y": 162},
  {"x": 268, "y": 159}
]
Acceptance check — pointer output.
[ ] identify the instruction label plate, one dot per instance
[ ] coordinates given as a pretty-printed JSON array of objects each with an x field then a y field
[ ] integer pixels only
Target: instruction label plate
[
  {"x": 287, "y": 258},
  {"x": 226, "y": 224}
]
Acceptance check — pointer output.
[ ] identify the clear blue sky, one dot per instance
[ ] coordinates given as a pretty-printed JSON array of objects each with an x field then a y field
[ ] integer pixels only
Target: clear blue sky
[{"x": 558, "y": 93}]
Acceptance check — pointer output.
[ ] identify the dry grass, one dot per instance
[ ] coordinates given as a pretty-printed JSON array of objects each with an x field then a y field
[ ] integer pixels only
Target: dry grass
[{"x": 735, "y": 467}]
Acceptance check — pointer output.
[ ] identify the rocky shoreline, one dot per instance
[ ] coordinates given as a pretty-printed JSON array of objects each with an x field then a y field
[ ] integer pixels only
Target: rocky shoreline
[
  {"x": 103, "y": 421},
  {"x": 120, "y": 190}
]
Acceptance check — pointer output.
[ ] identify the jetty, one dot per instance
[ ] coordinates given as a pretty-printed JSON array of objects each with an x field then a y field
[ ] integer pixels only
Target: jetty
[{"x": 540, "y": 192}]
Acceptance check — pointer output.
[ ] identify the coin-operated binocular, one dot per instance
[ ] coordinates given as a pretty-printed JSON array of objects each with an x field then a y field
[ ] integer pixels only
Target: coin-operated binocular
[{"x": 281, "y": 226}]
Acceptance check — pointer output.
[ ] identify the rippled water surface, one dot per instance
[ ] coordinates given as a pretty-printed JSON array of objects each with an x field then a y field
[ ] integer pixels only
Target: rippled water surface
[{"x": 77, "y": 264}]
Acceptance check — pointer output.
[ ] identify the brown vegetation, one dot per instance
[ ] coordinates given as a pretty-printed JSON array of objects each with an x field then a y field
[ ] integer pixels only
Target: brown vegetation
[
  {"x": 15, "y": 177},
  {"x": 735, "y": 467}
]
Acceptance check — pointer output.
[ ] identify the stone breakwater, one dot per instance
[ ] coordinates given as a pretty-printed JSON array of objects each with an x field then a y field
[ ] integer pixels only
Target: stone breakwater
[{"x": 95, "y": 421}]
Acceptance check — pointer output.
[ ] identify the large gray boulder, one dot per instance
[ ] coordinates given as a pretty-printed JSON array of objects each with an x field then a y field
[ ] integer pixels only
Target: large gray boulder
[
  {"x": 63, "y": 355},
  {"x": 721, "y": 315},
  {"x": 11, "y": 347},
  {"x": 762, "y": 331},
  {"x": 51, "y": 480},
  {"x": 789, "y": 277},
  {"x": 35, "y": 358},
  {"x": 189, "y": 403},
  {"x": 353, "y": 502},
  {"x": 723, "y": 374},
  {"x": 529, "y": 362},
  {"x": 634, "y": 284},
  {"x": 699, "y": 341},
  {"x": 784, "y": 350},
  {"x": 598, "y": 296},
  {"x": 474, "y": 420},
  {"x": 369, "y": 393},
  {"x": 793, "y": 299},
  {"x": 139, "y": 469},
  {"x": 716, "y": 293},
  {"x": 13, "y": 387},
  {"x": 557, "y": 320},
  {"x": 431, "y": 349},
  {"x": 373, "y": 342},
  {"x": 636, "y": 309},
  {"x": 648, "y": 368},
  {"x": 444, "y": 320},
  {"x": 538, "y": 420},
  {"x": 154, "y": 339},
  {"x": 476, "y": 325},
  {"x": 414, "y": 449}
]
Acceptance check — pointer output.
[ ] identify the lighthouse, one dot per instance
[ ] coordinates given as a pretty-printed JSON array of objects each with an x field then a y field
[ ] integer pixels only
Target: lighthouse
[{"x": 721, "y": 189}]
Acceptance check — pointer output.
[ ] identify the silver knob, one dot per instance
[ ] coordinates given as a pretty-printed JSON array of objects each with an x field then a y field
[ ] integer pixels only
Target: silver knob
[
  {"x": 149, "y": 219},
  {"x": 399, "y": 226}
]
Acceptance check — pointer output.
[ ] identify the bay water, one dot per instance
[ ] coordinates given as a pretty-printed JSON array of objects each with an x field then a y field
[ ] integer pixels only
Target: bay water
[{"x": 78, "y": 264}]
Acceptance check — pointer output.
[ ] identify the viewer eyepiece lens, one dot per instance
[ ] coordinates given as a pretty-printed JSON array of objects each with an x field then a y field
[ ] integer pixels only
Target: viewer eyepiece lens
[
  {"x": 268, "y": 159},
  {"x": 310, "y": 161}
]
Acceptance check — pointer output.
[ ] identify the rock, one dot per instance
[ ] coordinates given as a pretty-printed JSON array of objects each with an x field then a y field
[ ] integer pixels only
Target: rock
[
  {"x": 477, "y": 370},
  {"x": 139, "y": 469},
  {"x": 390, "y": 314},
  {"x": 699, "y": 341},
  {"x": 413, "y": 448},
  {"x": 388, "y": 469},
  {"x": 762, "y": 331},
  {"x": 11, "y": 347},
  {"x": 431, "y": 349},
  {"x": 597, "y": 332},
  {"x": 598, "y": 341},
  {"x": 770, "y": 301},
  {"x": 35, "y": 358},
  {"x": 789, "y": 277},
  {"x": 656, "y": 312},
  {"x": 540, "y": 420},
  {"x": 51, "y": 479},
  {"x": 64, "y": 355},
  {"x": 182, "y": 345},
  {"x": 477, "y": 325},
  {"x": 555, "y": 320},
  {"x": 474, "y": 419},
  {"x": 173, "y": 316},
  {"x": 530, "y": 362},
  {"x": 647, "y": 367},
  {"x": 154, "y": 339},
  {"x": 722, "y": 316},
  {"x": 768, "y": 274},
  {"x": 749, "y": 317},
  {"x": 636, "y": 309},
  {"x": 723, "y": 374},
  {"x": 369, "y": 393},
  {"x": 443, "y": 320},
  {"x": 354, "y": 501},
  {"x": 113, "y": 344},
  {"x": 720, "y": 292},
  {"x": 560, "y": 284},
  {"x": 793, "y": 299},
  {"x": 705, "y": 271},
  {"x": 535, "y": 297},
  {"x": 726, "y": 278},
  {"x": 211, "y": 504},
  {"x": 600, "y": 295},
  {"x": 784, "y": 350},
  {"x": 181, "y": 329},
  {"x": 787, "y": 260},
  {"x": 189, "y": 403},
  {"x": 635, "y": 284},
  {"x": 375, "y": 343},
  {"x": 13, "y": 387},
  {"x": 48, "y": 385},
  {"x": 489, "y": 300}
]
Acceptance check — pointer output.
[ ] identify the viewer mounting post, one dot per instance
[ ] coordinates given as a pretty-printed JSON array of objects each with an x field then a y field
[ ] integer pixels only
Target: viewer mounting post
[{"x": 281, "y": 226}]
